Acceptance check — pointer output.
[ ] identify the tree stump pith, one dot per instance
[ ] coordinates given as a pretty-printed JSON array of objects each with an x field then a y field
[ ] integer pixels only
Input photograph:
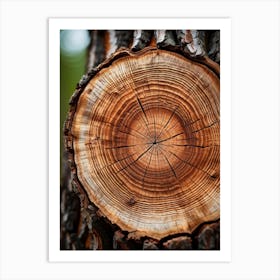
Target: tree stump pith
[{"x": 143, "y": 137}]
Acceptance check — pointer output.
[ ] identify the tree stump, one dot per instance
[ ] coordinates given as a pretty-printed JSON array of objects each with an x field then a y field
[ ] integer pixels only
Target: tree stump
[{"x": 143, "y": 141}]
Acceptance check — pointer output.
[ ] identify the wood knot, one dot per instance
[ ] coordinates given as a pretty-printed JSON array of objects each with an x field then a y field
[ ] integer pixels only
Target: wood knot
[
  {"x": 131, "y": 201},
  {"x": 115, "y": 93},
  {"x": 214, "y": 175}
]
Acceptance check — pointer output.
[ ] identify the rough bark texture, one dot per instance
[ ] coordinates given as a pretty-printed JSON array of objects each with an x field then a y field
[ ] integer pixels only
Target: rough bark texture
[{"x": 152, "y": 141}]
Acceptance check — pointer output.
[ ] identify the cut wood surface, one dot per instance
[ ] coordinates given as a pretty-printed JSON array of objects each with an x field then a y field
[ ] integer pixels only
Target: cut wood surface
[{"x": 143, "y": 135}]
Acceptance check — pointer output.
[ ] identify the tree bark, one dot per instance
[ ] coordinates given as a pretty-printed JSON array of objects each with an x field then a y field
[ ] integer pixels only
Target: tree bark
[{"x": 153, "y": 142}]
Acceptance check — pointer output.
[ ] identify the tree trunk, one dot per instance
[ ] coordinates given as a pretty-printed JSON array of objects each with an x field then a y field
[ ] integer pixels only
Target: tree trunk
[{"x": 142, "y": 141}]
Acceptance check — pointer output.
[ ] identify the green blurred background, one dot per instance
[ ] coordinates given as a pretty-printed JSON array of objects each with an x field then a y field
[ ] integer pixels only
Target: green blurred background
[{"x": 73, "y": 56}]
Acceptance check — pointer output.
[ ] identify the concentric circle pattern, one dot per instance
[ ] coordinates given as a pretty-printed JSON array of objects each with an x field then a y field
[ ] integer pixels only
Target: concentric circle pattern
[{"x": 146, "y": 139}]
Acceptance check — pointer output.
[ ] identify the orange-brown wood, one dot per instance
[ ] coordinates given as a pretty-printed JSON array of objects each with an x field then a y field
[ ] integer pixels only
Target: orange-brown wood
[{"x": 146, "y": 141}]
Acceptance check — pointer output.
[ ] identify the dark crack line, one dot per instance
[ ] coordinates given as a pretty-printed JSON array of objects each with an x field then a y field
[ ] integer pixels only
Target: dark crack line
[
  {"x": 167, "y": 122},
  {"x": 205, "y": 127},
  {"x": 142, "y": 108},
  {"x": 147, "y": 166},
  {"x": 95, "y": 140},
  {"x": 171, "y": 167},
  {"x": 185, "y": 139},
  {"x": 188, "y": 145},
  {"x": 155, "y": 130},
  {"x": 174, "y": 136},
  {"x": 157, "y": 159},
  {"x": 166, "y": 138},
  {"x": 191, "y": 123},
  {"x": 188, "y": 163},
  {"x": 176, "y": 124},
  {"x": 136, "y": 159},
  {"x": 126, "y": 146},
  {"x": 134, "y": 89},
  {"x": 143, "y": 111},
  {"x": 199, "y": 119}
]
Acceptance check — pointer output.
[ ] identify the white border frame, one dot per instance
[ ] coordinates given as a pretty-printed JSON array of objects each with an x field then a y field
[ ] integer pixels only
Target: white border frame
[{"x": 55, "y": 254}]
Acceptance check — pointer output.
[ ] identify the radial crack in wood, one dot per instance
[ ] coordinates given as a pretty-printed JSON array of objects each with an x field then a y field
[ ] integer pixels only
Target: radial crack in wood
[{"x": 137, "y": 128}]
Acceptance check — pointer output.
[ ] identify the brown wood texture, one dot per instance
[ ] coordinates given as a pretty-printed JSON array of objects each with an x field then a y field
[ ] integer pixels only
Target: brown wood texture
[{"x": 143, "y": 140}]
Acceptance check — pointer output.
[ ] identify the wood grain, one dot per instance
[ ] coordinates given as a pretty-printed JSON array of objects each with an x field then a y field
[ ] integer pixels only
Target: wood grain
[{"x": 145, "y": 137}]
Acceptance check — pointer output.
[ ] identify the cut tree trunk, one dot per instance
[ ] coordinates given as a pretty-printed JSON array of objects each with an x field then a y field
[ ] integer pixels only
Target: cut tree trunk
[{"x": 142, "y": 142}]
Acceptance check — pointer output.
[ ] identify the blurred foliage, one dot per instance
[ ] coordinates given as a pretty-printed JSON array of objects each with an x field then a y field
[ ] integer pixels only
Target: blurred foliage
[{"x": 73, "y": 55}]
